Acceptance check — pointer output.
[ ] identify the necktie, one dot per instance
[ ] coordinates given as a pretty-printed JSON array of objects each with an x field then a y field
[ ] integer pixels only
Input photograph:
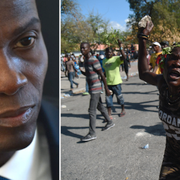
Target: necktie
[{"x": 3, "y": 178}]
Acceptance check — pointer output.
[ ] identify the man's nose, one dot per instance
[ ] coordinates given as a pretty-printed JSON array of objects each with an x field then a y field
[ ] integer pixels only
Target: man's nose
[{"x": 11, "y": 78}]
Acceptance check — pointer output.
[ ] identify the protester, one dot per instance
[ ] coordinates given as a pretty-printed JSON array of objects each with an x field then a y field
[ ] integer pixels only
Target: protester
[
  {"x": 157, "y": 48},
  {"x": 92, "y": 51},
  {"x": 29, "y": 129},
  {"x": 71, "y": 72},
  {"x": 65, "y": 61},
  {"x": 93, "y": 70},
  {"x": 111, "y": 65},
  {"x": 158, "y": 67},
  {"x": 164, "y": 44},
  {"x": 76, "y": 66},
  {"x": 168, "y": 85},
  {"x": 62, "y": 65}
]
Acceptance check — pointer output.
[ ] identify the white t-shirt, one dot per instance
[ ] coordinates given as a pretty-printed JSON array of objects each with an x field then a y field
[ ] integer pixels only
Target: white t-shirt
[{"x": 31, "y": 163}]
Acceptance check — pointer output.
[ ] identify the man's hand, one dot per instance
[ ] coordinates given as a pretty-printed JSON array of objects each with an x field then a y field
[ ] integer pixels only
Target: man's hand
[
  {"x": 147, "y": 29},
  {"x": 108, "y": 92},
  {"x": 119, "y": 42}
]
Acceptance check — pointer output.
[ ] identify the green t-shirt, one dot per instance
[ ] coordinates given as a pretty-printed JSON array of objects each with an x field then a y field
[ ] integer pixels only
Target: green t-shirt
[{"x": 111, "y": 67}]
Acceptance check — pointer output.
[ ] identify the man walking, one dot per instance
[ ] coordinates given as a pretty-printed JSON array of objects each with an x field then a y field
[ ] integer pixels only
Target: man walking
[
  {"x": 71, "y": 72},
  {"x": 92, "y": 72},
  {"x": 111, "y": 65}
]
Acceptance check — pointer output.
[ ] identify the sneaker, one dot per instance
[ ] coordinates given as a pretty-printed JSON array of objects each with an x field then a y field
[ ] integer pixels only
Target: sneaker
[
  {"x": 88, "y": 137},
  {"x": 108, "y": 126},
  {"x": 85, "y": 93}
]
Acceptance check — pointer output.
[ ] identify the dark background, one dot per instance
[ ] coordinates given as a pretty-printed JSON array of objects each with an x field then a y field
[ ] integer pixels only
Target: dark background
[{"x": 49, "y": 15}]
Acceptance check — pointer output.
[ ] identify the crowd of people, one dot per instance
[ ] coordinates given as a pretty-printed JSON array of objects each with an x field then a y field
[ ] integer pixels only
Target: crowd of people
[{"x": 159, "y": 66}]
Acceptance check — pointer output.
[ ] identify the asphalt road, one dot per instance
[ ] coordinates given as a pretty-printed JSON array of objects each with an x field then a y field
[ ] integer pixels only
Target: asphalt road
[{"x": 117, "y": 153}]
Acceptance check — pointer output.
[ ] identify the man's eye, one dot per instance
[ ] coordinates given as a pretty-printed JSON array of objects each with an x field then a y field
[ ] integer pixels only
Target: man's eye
[{"x": 25, "y": 42}]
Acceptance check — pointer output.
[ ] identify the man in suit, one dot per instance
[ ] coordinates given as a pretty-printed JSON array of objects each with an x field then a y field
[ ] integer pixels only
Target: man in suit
[{"x": 28, "y": 126}]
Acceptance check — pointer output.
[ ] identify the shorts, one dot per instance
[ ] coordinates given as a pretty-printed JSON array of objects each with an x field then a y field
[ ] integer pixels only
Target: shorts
[{"x": 116, "y": 89}]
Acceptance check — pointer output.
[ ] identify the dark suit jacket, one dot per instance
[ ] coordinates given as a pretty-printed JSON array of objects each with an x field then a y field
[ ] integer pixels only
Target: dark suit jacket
[{"x": 49, "y": 117}]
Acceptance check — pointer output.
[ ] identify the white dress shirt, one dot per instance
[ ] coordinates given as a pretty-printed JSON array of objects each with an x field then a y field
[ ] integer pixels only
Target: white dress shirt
[{"x": 31, "y": 163}]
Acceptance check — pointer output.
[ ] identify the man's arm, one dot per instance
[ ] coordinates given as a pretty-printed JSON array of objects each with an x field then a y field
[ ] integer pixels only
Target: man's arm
[
  {"x": 143, "y": 66},
  {"x": 74, "y": 67},
  {"x": 150, "y": 66},
  {"x": 121, "y": 50},
  {"x": 82, "y": 72},
  {"x": 155, "y": 69},
  {"x": 93, "y": 50},
  {"x": 108, "y": 93}
]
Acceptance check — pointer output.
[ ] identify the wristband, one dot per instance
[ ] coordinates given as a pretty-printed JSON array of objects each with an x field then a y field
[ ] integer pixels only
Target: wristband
[{"x": 143, "y": 36}]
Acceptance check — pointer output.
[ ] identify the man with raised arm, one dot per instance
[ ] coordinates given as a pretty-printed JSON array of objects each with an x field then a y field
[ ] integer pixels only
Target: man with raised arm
[{"x": 168, "y": 85}]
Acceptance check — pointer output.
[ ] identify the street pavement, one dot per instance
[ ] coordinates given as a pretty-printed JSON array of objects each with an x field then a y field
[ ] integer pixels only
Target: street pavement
[{"x": 116, "y": 154}]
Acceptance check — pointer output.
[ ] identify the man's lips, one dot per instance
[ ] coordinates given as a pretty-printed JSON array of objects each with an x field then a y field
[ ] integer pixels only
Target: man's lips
[
  {"x": 15, "y": 118},
  {"x": 174, "y": 74}
]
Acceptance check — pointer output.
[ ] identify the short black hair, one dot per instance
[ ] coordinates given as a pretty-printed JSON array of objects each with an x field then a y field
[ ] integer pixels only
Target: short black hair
[
  {"x": 108, "y": 49},
  {"x": 163, "y": 43},
  {"x": 86, "y": 43}
]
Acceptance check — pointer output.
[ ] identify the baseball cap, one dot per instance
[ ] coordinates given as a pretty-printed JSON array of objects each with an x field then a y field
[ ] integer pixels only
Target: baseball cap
[
  {"x": 164, "y": 43},
  {"x": 156, "y": 44}
]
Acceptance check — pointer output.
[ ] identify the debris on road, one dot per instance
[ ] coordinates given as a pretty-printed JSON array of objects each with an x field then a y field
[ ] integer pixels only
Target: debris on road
[
  {"x": 146, "y": 146},
  {"x": 63, "y": 106}
]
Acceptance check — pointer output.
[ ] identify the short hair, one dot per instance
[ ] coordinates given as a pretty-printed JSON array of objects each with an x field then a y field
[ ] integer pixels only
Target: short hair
[
  {"x": 108, "y": 49},
  {"x": 86, "y": 43}
]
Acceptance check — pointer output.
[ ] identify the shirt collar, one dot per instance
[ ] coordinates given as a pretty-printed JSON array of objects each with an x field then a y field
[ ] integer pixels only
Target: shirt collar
[{"x": 24, "y": 163}]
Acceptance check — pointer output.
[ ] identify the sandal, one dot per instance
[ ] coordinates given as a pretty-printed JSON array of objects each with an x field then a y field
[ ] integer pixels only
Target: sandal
[{"x": 122, "y": 114}]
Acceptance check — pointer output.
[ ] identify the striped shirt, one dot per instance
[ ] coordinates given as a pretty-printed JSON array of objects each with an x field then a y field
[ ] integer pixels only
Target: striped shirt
[{"x": 91, "y": 66}]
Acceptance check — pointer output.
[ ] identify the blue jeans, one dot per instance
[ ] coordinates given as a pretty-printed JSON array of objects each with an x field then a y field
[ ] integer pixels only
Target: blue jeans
[
  {"x": 87, "y": 86},
  {"x": 102, "y": 85},
  {"x": 116, "y": 89},
  {"x": 62, "y": 67},
  {"x": 71, "y": 77}
]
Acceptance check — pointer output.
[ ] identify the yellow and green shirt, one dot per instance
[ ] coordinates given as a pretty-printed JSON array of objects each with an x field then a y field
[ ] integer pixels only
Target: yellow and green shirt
[{"x": 111, "y": 67}]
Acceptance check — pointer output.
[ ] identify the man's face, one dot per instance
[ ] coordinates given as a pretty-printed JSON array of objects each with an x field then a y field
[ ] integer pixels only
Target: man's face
[
  {"x": 172, "y": 69},
  {"x": 23, "y": 65},
  {"x": 156, "y": 48},
  {"x": 85, "y": 49},
  {"x": 109, "y": 54}
]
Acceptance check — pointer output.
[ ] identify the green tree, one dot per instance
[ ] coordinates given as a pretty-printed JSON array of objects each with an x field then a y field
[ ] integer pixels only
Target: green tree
[
  {"x": 164, "y": 14},
  {"x": 72, "y": 33},
  {"x": 98, "y": 25},
  {"x": 74, "y": 29},
  {"x": 110, "y": 38},
  {"x": 70, "y": 7}
]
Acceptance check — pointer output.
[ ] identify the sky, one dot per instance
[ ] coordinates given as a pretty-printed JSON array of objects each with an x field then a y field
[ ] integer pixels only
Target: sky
[{"x": 116, "y": 11}]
